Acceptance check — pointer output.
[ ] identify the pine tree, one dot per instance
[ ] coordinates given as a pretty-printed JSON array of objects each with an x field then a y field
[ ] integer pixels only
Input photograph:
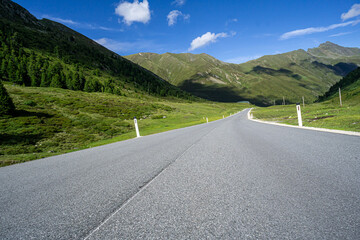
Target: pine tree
[
  {"x": 92, "y": 85},
  {"x": 11, "y": 72},
  {"x": 70, "y": 80},
  {"x": 56, "y": 81},
  {"x": 45, "y": 82},
  {"x": 77, "y": 82},
  {"x": 6, "y": 104},
  {"x": 3, "y": 69},
  {"x": 109, "y": 86}
]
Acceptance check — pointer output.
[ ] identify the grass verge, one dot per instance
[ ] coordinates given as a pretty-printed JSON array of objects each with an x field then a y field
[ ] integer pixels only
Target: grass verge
[
  {"x": 52, "y": 121},
  {"x": 327, "y": 114}
]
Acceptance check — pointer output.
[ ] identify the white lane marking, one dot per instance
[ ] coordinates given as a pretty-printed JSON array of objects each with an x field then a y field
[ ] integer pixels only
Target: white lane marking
[{"x": 146, "y": 186}]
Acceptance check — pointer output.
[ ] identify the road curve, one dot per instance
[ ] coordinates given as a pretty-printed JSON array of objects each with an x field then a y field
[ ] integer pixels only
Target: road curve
[{"x": 229, "y": 179}]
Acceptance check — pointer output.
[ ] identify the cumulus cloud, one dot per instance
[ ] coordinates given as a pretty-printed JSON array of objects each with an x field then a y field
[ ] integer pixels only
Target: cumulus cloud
[
  {"x": 353, "y": 12},
  {"x": 173, "y": 15},
  {"x": 179, "y": 2},
  {"x": 134, "y": 12},
  {"x": 206, "y": 39},
  {"x": 306, "y": 31}
]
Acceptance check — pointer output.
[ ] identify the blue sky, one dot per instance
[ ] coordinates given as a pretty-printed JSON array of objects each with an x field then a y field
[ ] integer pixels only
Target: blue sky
[{"x": 230, "y": 30}]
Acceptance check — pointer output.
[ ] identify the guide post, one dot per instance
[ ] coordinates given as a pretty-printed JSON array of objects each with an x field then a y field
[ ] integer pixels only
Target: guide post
[
  {"x": 136, "y": 128},
  {"x": 299, "y": 114}
]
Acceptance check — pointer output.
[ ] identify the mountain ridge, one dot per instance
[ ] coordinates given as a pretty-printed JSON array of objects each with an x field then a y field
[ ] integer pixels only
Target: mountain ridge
[{"x": 262, "y": 81}]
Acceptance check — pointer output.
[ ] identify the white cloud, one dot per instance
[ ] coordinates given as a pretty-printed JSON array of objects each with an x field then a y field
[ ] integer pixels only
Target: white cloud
[
  {"x": 112, "y": 44},
  {"x": 61, "y": 20},
  {"x": 234, "y": 20},
  {"x": 134, "y": 12},
  {"x": 80, "y": 25},
  {"x": 243, "y": 59},
  {"x": 173, "y": 15},
  {"x": 353, "y": 12},
  {"x": 179, "y": 2},
  {"x": 206, "y": 39},
  {"x": 126, "y": 47},
  {"x": 340, "y": 34},
  {"x": 311, "y": 30}
]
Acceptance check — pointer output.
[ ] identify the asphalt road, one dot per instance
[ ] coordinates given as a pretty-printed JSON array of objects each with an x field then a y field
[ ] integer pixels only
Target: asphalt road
[{"x": 229, "y": 179}]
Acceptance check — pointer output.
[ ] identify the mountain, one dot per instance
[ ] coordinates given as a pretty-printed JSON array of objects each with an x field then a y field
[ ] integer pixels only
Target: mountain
[
  {"x": 262, "y": 81},
  {"x": 200, "y": 74},
  {"x": 350, "y": 88},
  {"x": 331, "y": 50},
  {"x": 46, "y": 53}
]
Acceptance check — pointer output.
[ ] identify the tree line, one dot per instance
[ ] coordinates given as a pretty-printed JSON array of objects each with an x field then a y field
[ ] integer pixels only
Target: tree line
[{"x": 65, "y": 64}]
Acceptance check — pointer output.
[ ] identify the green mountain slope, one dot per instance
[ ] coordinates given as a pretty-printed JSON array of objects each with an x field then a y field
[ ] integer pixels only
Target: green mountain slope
[
  {"x": 350, "y": 88},
  {"x": 33, "y": 50},
  {"x": 326, "y": 112},
  {"x": 262, "y": 81}
]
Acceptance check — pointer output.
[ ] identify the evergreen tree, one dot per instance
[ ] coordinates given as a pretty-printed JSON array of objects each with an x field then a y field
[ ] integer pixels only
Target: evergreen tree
[
  {"x": 92, "y": 85},
  {"x": 45, "y": 81},
  {"x": 6, "y": 103},
  {"x": 109, "y": 86},
  {"x": 56, "y": 81},
  {"x": 3, "y": 69},
  {"x": 11, "y": 72},
  {"x": 77, "y": 81},
  {"x": 70, "y": 80}
]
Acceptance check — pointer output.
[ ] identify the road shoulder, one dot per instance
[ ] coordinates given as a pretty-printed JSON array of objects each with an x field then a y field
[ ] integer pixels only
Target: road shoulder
[{"x": 250, "y": 117}]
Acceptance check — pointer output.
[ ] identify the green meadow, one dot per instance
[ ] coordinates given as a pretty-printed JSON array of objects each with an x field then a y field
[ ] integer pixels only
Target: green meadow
[
  {"x": 52, "y": 121},
  {"x": 327, "y": 114}
]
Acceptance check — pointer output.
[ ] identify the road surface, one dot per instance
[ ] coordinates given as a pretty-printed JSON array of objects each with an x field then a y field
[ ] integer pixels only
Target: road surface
[{"x": 229, "y": 179}]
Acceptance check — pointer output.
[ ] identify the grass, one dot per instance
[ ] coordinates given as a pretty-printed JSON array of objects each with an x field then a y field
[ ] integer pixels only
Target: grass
[
  {"x": 326, "y": 114},
  {"x": 52, "y": 121}
]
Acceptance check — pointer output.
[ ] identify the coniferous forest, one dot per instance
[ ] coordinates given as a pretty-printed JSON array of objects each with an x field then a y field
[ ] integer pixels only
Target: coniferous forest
[{"x": 39, "y": 56}]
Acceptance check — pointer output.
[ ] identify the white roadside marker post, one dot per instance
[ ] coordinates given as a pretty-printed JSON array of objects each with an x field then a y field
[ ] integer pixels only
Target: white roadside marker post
[
  {"x": 207, "y": 120},
  {"x": 223, "y": 116},
  {"x": 299, "y": 114},
  {"x": 136, "y": 128},
  {"x": 303, "y": 101},
  {"x": 340, "y": 97}
]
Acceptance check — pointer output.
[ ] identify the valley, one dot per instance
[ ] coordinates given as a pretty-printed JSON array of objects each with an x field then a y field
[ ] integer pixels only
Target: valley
[{"x": 261, "y": 81}]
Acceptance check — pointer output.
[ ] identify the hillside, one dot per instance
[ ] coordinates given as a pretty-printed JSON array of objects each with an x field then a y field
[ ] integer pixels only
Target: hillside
[
  {"x": 45, "y": 53},
  {"x": 200, "y": 74},
  {"x": 350, "y": 88},
  {"x": 326, "y": 112},
  {"x": 292, "y": 75}
]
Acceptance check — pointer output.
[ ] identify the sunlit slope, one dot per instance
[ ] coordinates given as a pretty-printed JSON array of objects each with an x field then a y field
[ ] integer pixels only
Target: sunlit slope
[{"x": 291, "y": 75}]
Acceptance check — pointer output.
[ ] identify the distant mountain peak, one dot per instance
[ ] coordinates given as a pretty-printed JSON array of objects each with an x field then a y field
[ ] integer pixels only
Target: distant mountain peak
[
  {"x": 329, "y": 44},
  {"x": 332, "y": 50}
]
